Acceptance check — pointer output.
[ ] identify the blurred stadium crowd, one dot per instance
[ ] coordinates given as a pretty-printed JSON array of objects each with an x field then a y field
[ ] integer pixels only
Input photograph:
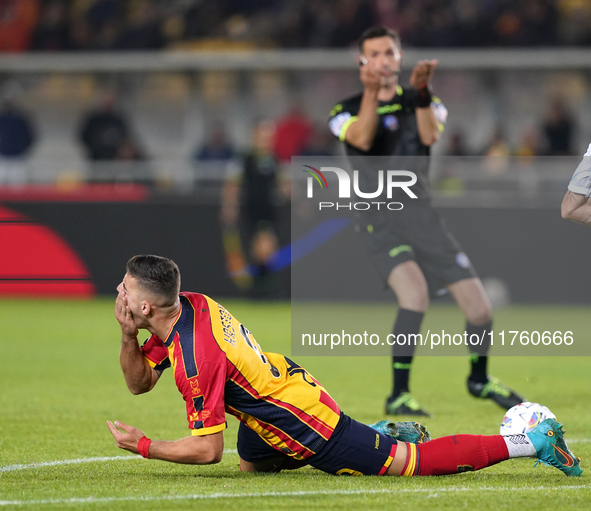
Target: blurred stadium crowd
[
  {"x": 225, "y": 134},
  {"x": 183, "y": 123},
  {"x": 95, "y": 25},
  {"x": 106, "y": 133}
]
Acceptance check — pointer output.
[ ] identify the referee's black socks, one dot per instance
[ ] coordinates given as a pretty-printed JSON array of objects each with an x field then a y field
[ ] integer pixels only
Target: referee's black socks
[
  {"x": 479, "y": 358},
  {"x": 407, "y": 322}
]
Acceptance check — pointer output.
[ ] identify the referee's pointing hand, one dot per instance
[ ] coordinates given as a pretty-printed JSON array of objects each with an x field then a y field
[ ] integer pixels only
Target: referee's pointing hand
[{"x": 370, "y": 76}]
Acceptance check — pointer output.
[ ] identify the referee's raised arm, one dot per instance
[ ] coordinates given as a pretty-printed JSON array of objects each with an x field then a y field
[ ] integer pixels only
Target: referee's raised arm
[
  {"x": 379, "y": 61},
  {"x": 427, "y": 122},
  {"x": 362, "y": 131}
]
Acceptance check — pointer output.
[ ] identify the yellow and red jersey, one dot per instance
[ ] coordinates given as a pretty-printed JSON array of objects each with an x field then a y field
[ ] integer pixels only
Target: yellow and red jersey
[{"x": 219, "y": 367}]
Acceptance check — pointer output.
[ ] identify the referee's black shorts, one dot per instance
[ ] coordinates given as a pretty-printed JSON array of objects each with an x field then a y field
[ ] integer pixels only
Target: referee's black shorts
[{"x": 418, "y": 233}]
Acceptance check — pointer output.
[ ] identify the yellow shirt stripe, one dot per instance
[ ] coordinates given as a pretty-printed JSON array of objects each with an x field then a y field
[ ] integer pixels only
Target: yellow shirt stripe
[{"x": 208, "y": 431}]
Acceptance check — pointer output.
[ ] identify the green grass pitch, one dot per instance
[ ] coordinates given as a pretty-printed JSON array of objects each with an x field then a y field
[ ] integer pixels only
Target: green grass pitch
[{"x": 60, "y": 382}]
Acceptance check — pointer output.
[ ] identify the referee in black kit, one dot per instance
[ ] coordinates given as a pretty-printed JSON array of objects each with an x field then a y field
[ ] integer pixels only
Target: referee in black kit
[{"x": 411, "y": 248}]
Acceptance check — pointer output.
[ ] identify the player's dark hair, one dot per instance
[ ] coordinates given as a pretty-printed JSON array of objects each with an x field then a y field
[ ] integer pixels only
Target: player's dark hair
[
  {"x": 158, "y": 275},
  {"x": 379, "y": 31}
]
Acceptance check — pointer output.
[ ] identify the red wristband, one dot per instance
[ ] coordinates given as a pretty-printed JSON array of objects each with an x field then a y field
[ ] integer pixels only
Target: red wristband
[{"x": 143, "y": 447}]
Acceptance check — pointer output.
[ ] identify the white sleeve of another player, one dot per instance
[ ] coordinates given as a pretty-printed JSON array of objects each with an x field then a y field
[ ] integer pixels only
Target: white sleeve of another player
[{"x": 581, "y": 180}]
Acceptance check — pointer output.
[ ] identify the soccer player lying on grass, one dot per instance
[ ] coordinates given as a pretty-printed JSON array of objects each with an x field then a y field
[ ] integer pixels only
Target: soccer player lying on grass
[
  {"x": 288, "y": 420},
  {"x": 576, "y": 204}
]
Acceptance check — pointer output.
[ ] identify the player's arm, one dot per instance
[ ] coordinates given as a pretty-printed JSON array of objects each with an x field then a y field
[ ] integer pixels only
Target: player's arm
[
  {"x": 427, "y": 122},
  {"x": 194, "y": 450},
  {"x": 361, "y": 131},
  {"x": 139, "y": 375},
  {"x": 284, "y": 181},
  {"x": 576, "y": 204},
  {"x": 231, "y": 194},
  {"x": 576, "y": 207}
]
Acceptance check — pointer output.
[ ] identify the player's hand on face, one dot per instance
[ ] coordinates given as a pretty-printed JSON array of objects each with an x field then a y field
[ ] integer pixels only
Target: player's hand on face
[
  {"x": 127, "y": 440},
  {"x": 422, "y": 73},
  {"x": 123, "y": 314}
]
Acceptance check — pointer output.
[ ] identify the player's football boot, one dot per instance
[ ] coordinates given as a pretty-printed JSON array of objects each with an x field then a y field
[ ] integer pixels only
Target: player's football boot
[
  {"x": 494, "y": 390},
  {"x": 405, "y": 404},
  {"x": 551, "y": 449},
  {"x": 406, "y": 431}
]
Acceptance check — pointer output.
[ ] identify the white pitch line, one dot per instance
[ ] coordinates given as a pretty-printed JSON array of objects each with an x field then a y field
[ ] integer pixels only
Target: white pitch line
[
  {"x": 102, "y": 500},
  {"x": 12, "y": 468}
]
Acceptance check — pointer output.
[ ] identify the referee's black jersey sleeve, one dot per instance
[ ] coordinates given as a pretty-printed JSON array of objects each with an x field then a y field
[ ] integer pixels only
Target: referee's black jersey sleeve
[
  {"x": 397, "y": 136},
  {"x": 342, "y": 115},
  {"x": 397, "y": 133}
]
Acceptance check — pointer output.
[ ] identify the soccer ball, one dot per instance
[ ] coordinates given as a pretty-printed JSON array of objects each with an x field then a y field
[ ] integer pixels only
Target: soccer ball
[{"x": 524, "y": 417}]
